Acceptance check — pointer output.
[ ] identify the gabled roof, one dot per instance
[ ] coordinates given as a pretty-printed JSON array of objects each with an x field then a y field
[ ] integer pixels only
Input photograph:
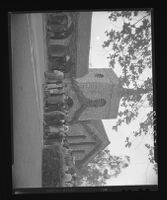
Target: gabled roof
[
  {"x": 102, "y": 141},
  {"x": 83, "y": 35},
  {"x": 98, "y": 124},
  {"x": 111, "y": 75}
]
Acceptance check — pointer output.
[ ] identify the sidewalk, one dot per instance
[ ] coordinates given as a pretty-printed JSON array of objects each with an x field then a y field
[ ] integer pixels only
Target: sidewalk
[
  {"x": 39, "y": 54},
  {"x": 28, "y": 65}
]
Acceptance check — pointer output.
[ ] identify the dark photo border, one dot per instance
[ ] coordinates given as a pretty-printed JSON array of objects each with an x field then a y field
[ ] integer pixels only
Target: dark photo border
[{"x": 157, "y": 26}]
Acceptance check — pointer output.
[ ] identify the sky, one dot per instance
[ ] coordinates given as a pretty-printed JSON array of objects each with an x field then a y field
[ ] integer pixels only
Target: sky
[{"x": 140, "y": 171}]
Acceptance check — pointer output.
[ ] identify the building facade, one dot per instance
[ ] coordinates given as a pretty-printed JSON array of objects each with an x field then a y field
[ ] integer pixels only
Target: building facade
[
  {"x": 87, "y": 138},
  {"x": 87, "y": 92}
]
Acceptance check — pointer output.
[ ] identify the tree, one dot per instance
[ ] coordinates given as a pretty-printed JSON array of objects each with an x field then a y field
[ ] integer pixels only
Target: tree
[
  {"x": 104, "y": 166},
  {"x": 129, "y": 49}
]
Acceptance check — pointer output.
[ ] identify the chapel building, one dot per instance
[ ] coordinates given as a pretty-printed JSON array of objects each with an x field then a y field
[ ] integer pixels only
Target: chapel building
[{"x": 95, "y": 93}]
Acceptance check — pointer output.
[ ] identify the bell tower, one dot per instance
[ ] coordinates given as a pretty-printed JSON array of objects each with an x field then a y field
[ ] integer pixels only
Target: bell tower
[{"x": 100, "y": 86}]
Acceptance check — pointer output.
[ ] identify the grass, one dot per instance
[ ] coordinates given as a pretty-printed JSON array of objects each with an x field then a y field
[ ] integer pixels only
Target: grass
[{"x": 52, "y": 166}]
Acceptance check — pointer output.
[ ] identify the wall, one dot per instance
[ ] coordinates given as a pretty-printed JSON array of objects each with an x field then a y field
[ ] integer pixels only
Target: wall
[
  {"x": 78, "y": 129},
  {"x": 98, "y": 83}
]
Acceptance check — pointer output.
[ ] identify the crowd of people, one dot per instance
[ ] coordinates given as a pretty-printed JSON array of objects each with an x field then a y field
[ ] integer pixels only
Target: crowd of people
[{"x": 57, "y": 103}]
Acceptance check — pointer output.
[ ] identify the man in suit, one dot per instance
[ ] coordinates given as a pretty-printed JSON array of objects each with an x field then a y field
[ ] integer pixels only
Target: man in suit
[
  {"x": 64, "y": 106},
  {"x": 55, "y": 118}
]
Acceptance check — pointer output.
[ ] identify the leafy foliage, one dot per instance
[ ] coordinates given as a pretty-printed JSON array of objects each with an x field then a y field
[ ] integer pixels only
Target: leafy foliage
[
  {"x": 103, "y": 167},
  {"x": 129, "y": 49},
  {"x": 52, "y": 166}
]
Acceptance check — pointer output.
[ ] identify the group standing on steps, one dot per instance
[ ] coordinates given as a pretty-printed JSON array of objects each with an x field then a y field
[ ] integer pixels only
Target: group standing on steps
[{"x": 57, "y": 103}]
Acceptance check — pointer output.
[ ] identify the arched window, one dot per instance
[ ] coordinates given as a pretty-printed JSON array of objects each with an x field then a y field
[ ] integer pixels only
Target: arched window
[
  {"x": 100, "y": 102},
  {"x": 97, "y": 102},
  {"x": 97, "y": 75}
]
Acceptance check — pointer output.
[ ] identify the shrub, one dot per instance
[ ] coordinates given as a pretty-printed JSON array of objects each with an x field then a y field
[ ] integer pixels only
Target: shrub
[{"x": 52, "y": 166}]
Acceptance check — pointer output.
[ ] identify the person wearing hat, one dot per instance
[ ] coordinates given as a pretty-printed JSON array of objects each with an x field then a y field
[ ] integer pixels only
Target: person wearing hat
[
  {"x": 53, "y": 84},
  {"x": 56, "y": 99},
  {"x": 57, "y": 82},
  {"x": 56, "y": 61},
  {"x": 55, "y": 96},
  {"x": 65, "y": 67},
  {"x": 55, "y": 92},
  {"x": 55, "y": 75},
  {"x": 62, "y": 98},
  {"x": 63, "y": 107},
  {"x": 54, "y": 132},
  {"x": 55, "y": 107},
  {"x": 53, "y": 129},
  {"x": 56, "y": 118},
  {"x": 66, "y": 105},
  {"x": 54, "y": 89}
]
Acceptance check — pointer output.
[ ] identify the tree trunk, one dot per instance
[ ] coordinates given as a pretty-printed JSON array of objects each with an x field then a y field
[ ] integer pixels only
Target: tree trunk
[{"x": 137, "y": 91}]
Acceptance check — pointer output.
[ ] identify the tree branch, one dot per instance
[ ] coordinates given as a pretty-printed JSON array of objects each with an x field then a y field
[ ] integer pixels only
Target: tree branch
[
  {"x": 140, "y": 20},
  {"x": 126, "y": 91}
]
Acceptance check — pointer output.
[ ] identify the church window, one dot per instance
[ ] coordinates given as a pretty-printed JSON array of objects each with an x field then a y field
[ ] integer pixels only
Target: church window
[
  {"x": 97, "y": 102},
  {"x": 97, "y": 75}
]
